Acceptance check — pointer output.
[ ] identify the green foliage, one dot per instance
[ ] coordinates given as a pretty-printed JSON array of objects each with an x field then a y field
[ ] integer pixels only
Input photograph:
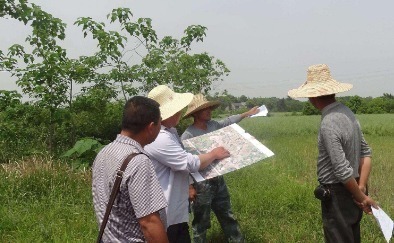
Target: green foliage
[
  {"x": 354, "y": 103},
  {"x": 309, "y": 109},
  {"x": 45, "y": 201},
  {"x": 169, "y": 62},
  {"x": 48, "y": 75},
  {"x": 93, "y": 108},
  {"x": 9, "y": 99},
  {"x": 83, "y": 152},
  {"x": 272, "y": 200},
  {"x": 166, "y": 62},
  {"x": 23, "y": 131},
  {"x": 40, "y": 74}
]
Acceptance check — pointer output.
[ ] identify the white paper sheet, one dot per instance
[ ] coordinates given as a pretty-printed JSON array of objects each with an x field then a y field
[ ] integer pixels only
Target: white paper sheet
[
  {"x": 263, "y": 111},
  {"x": 385, "y": 223}
]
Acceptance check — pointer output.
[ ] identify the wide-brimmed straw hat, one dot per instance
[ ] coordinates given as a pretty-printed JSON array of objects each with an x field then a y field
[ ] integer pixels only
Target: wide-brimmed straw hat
[
  {"x": 318, "y": 83},
  {"x": 170, "y": 101},
  {"x": 198, "y": 103}
]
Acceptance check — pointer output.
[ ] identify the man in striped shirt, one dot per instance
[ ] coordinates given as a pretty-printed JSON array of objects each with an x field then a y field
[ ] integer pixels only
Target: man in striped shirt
[{"x": 135, "y": 213}]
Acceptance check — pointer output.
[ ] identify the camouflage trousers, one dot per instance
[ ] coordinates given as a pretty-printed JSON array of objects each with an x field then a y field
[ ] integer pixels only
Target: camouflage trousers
[{"x": 213, "y": 194}]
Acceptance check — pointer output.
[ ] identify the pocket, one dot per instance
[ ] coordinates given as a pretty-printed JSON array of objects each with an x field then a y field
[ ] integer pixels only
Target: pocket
[{"x": 322, "y": 193}]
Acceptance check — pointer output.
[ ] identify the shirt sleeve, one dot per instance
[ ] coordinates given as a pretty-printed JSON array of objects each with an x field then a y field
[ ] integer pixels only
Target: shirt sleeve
[
  {"x": 230, "y": 120},
  {"x": 167, "y": 150},
  {"x": 186, "y": 135},
  {"x": 341, "y": 166},
  {"x": 365, "y": 151},
  {"x": 146, "y": 194}
]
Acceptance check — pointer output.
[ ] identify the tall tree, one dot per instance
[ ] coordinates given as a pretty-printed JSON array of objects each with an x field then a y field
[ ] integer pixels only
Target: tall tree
[
  {"x": 41, "y": 73},
  {"x": 170, "y": 62},
  {"x": 115, "y": 71}
]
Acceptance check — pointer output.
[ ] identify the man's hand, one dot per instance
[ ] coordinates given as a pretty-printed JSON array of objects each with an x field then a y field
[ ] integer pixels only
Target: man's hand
[
  {"x": 192, "y": 193},
  {"x": 366, "y": 204},
  {"x": 216, "y": 153},
  {"x": 251, "y": 112},
  {"x": 220, "y": 153}
]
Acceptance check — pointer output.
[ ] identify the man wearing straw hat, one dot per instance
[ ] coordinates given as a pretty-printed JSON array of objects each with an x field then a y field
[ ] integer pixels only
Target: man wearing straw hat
[
  {"x": 344, "y": 160},
  {"x": 212, "y": 193},
  {"x": 173, "y": 164}
]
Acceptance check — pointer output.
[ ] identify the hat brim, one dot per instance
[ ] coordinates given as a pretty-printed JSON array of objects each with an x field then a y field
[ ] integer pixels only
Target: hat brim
[
  {"x": 180, "y": 101},
  {"x": 316, "y": 89},
  {"x": 213, "y": 104}
]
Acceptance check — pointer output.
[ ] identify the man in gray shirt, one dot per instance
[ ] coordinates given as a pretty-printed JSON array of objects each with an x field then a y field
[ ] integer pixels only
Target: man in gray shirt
[
  {"x": 344, "y": 160},
  {"x": 212, "y": 193}
]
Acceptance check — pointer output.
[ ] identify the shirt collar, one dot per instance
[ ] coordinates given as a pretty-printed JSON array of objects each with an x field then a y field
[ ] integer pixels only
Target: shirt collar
[
  {"x": 329, "y": 107},
  {"x": 170, "y": 129},
  {"x": 127, "y": 140}
]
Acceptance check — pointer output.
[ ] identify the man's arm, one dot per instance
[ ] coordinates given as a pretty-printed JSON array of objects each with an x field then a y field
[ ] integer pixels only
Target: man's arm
[
  {"x": 153, "y": 228},
  {"x": 216, "y": 153},
  {"x": 364, "y": 201},
  {"x": 237, "y": 118},
  {"x": 364, "y": 170},
  {"x": 365, "y": 164},
  {"x": 251, "y": 112},
  {"x": 186, "y": 135}
]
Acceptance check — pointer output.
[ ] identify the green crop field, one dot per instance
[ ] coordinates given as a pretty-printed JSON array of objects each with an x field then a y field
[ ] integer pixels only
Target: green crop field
[{"x": 42, "y": 200}]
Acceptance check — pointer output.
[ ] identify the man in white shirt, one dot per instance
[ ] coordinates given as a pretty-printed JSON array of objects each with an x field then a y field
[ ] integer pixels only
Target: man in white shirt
[{"x": 173, "y": 164}]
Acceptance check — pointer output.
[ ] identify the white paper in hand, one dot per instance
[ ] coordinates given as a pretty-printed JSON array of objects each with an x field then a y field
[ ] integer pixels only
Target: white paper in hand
[
  {"x": 263, "y": 111},
  {"x": 385, "y": 222}
]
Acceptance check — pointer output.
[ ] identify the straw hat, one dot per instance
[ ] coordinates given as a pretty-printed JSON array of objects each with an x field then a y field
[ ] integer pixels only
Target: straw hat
[
  {"x": 318, "y": 83},
  {"x": 170, "y": 101},
  {"x": 198, "y": 103}
]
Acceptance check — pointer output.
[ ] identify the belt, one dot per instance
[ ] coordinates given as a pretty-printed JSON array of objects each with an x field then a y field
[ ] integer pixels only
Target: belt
[{"x": 339, "y": 184}]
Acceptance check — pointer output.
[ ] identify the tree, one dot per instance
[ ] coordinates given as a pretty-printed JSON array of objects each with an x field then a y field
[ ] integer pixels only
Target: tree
[
  {"x": 388, "y": 96},
  {"x": 113, "y": 57},
  {"x": 281, "y": 105},
  {"x": 116, "y": 69},
  {"x": 40, "y": 73},
  {"x": 243, "y": 98},
  {"x": 169, "y": 62},
  {"x": 354, "y": 103},
  {"x": 309, "y": 109},
  {"x": 9, "y": 99}
]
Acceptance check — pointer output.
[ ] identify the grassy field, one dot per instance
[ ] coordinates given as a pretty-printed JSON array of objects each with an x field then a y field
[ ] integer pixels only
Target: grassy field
[{"x": 44, "y": 201}]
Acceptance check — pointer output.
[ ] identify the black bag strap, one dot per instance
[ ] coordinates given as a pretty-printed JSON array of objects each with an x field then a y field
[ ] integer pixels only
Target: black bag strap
[{"x": 115, "y": 190}]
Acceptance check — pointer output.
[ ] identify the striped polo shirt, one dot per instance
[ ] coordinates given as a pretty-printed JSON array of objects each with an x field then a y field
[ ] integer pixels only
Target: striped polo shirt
[{"x": 140, "y": 192}]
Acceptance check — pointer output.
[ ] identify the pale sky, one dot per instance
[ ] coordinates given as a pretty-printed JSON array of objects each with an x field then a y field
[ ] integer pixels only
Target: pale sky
[{"x": 267, "y": 45}]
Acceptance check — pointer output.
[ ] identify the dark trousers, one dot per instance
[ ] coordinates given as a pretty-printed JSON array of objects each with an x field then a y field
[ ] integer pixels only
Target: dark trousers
[
  {"x": 341, "y": 216},
  {"x": 178, "y": 233},
  {"x": 213, "y": 194}
]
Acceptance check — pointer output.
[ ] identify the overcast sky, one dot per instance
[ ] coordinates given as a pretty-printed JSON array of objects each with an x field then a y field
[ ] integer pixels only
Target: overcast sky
[{"x": 267, "y": 45}]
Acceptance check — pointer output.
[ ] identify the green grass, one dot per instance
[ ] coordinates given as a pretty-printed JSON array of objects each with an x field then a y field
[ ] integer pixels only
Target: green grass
[{"x": 44, "y": 201}]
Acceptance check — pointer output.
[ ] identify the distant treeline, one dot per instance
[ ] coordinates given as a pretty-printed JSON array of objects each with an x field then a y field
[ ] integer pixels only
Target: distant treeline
[
  {"x": 25, "y": 126},
  {"x": 359, "y": 105}
]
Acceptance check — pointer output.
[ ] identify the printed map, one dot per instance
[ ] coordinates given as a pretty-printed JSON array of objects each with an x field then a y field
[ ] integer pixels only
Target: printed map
[{"x": 244, "y": 149}]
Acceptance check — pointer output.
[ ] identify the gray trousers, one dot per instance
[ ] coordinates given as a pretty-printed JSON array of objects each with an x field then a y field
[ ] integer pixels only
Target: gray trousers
[{"x": 341, "y": 216}]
